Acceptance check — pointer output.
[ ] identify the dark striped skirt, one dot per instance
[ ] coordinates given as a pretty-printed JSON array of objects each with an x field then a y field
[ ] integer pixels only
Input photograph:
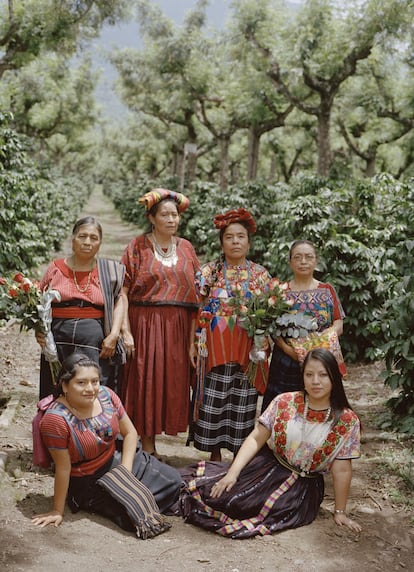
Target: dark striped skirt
[
  {"x": 227, "y": 414},
  {"x": 266, "y": 498},
  {"x": 163, "y": 481},
  {"x": 83, "y": 336}
]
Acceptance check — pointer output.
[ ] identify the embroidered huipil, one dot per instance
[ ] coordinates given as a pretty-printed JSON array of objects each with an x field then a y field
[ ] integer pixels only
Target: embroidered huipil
[
  {"x": 150, "y": 282},
  {"x": 59, "y": 276},
  {"x": 318, "y": 441},
  {"x": 90, "y": 442},
  {"x": 322, "y": 303},
  {"x": 227, "y": 342}
]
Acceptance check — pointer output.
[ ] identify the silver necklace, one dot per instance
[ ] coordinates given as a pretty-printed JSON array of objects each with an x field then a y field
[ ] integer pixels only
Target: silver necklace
[
  {"x": 167, "y": 257},
  {"x": 306, "y": 462}
]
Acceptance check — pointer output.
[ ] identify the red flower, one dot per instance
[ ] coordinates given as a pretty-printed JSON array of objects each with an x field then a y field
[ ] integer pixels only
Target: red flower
[
  {"x": 281, "y": 439},
  {"x": 25, "y": 287},
  {"x": 13, "y": 292},
  {"x": 2, "y": 281},
  {"x": 341, "y": 429},
  {"x": 18, "y": 277},
  {"x": 346, "y": 417},
  {"x": 331, "y": 438},
  {"x": 283, "y": 404},
  {"x": 327, "y": 450},
  {"x": 285, "y": 416},
  {"x": 317, "y": 457},
  {"x": 279, "y": 427}
]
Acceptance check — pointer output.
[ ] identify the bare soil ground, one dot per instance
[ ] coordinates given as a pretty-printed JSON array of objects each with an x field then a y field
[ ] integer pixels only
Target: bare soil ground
[{"x": 381, "y": 498}]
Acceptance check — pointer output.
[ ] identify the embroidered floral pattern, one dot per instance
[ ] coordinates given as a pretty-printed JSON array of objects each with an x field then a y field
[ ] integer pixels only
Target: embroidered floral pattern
[{"x": 284, "y": 418}]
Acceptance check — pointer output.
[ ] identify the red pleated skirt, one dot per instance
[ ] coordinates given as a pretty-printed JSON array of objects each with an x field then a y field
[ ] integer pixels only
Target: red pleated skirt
[{"x": 156, "y": 382}]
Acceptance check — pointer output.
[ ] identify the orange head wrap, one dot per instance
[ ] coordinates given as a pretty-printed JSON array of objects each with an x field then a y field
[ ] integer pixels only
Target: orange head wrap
[{"x": 156, "y": 195}]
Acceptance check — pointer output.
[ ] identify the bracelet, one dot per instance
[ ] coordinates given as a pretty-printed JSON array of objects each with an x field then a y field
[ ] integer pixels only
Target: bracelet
[{"x": 339, "y": 511}]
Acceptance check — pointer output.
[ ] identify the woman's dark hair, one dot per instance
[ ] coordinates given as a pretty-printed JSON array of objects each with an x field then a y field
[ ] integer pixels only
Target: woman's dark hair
[
  {"x": 223, "y": 230},
  {"x": 87, "y": 220},
  {"x": 299, "y": 243},
  {"x": 70, "y": 367},
  {"x": 338, "y": 400}
]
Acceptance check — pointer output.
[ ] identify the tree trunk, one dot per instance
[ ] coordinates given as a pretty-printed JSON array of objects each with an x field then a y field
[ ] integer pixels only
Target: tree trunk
[
  {"x": 224, "y": 163},
  {"x": 370, "y": 166},
  {"x": 191, "y": 157},
  {"x": 253, "y": 154},
  {"x": 324, "y": 143}
]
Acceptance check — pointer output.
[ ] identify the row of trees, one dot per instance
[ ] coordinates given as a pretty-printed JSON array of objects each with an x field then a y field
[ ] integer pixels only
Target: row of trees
[
  {"x": 277, "y": 92},
  {"x": 326, "y": 88},
  {"x": 48, "y": 118},
  {"x": 47, "y": 84}
]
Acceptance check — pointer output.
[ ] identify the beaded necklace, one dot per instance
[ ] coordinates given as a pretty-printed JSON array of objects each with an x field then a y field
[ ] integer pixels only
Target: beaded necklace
[
  {"x": 81, "y": 289},
  {"x": 75, "y": 280}
]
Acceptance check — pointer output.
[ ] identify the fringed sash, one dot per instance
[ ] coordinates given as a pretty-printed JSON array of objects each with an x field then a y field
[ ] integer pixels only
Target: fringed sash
[{"x": 137, "y": 499}]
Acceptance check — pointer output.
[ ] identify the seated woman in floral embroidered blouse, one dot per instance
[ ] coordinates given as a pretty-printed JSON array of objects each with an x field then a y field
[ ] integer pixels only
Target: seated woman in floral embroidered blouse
[
  {"x": 276, "y": 480},
  {"x": 79, "y": 429}
]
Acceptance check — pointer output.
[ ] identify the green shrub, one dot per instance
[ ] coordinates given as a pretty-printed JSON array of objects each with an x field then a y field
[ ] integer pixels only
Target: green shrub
[{"x": 35, "y": 212}]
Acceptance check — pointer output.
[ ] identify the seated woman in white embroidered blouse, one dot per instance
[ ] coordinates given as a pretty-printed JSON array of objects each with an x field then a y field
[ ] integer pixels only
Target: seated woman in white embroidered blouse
[{"x": 276, "y": 480}]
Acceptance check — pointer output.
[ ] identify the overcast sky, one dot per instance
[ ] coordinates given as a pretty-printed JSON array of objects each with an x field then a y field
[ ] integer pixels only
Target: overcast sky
[{"x": 127, "y": 35}]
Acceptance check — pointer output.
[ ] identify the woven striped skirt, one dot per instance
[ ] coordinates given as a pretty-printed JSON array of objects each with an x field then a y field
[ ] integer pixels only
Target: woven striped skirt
[
  {"x": 266, "y": 498},
  {"x": 227, "y": 414}
]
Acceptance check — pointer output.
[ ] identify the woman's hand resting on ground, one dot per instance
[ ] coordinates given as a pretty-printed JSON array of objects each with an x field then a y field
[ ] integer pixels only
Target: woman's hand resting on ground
[{"x": 53, "y": 517}]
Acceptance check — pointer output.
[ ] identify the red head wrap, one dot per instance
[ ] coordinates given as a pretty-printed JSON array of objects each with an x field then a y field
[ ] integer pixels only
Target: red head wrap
[
  {"x": 236, "y": 215},
  {"x": 156, "y": 195}
]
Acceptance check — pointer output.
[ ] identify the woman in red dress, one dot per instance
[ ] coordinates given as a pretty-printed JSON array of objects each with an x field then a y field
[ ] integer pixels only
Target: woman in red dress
[{"x": 162, "y": 304}]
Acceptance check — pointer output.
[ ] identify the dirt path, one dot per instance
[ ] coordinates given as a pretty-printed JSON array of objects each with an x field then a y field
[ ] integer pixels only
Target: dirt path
[{"x": 379, "y": 498}]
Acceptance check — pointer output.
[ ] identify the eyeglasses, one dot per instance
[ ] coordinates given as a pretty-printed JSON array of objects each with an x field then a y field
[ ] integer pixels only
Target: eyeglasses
[{"x": 306, "y": 257}]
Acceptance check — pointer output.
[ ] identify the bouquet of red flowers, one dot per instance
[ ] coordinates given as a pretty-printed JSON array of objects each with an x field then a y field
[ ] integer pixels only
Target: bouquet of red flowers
[
  {"x": 19, "y": 298},
  {"x": 22, "y": 300},
  {"x": 257, "y": 313}
]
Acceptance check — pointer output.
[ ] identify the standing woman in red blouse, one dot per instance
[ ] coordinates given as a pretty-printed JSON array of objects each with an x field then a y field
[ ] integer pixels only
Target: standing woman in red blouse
[
  {"x": 162, "y": 304},
  {"x": 89, "y": 316}
]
